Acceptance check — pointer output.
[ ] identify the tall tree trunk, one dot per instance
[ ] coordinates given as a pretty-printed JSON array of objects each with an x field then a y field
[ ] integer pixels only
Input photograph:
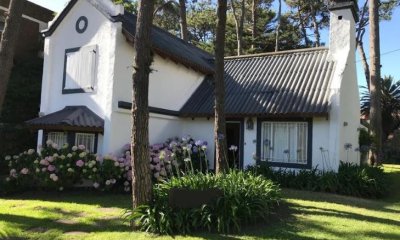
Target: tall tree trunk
[
  {"x": 8, "y": 42},
  {"x": 183, "y": 20},
  {"x": 360, "y": 48},
  {"x": 239, "y": 22},
  {"x": 359, "y": 41},
  {"x": 375, "y": 75},
  {"x": 221, "y": 149},
  {"x": 302, "y": 27},
  {"x": 315, "y": 26},
  {"x": 141, "y": 175},
  {"x": 278, "y": 26},
  {"x": 254, "y": 18}
]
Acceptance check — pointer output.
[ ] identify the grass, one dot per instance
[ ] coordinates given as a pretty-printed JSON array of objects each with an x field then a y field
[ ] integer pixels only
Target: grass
[{"x": 303, "y": 215}]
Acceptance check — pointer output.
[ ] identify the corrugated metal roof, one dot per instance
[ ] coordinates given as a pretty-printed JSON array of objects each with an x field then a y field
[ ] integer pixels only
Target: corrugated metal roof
[
  {"x": 70, "y": 117},
  {"x": 292, "y": 83},
  {"x": 170, "y": 46}
]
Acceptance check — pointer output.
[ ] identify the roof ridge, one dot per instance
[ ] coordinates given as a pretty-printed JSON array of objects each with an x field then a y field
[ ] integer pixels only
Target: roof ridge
[{"x": 278, "y": 53}]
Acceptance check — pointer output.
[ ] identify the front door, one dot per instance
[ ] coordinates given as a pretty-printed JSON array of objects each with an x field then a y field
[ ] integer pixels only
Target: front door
[{"x": 234, "y": 137}]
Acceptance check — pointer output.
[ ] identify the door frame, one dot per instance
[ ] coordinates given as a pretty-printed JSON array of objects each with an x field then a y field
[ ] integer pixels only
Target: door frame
[{"x": 241, "y": 140}]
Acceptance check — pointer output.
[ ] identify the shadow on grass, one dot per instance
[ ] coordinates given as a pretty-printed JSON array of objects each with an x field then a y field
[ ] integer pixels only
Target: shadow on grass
[
  {"x": 43, "y": 224},
  {"x": 102, "y": 199},
  {"x": 372, "y": 204}
]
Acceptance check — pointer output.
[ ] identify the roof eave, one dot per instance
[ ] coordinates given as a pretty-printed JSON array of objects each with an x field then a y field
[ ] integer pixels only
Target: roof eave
[
  {"x": 65, "y": 128},
  {"x": 257, "y": 115}
]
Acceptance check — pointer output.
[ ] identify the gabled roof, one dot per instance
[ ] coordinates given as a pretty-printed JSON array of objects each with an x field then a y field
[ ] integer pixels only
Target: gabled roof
[
  {"x": 70, "y": 118},
  {"x": 164, "y": 43},
  {"x": 167, "y": 45},
  {"x": 289, "y": 83}
]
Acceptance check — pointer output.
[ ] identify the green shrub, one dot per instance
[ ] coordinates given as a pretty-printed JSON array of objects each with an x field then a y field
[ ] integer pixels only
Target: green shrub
[
  {"x": 351, "y": 179},
  {"x": 246, "y": 198}
]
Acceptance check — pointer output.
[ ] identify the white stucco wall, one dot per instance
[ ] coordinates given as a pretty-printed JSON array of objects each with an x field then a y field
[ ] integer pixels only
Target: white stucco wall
[
  {"x": 171, "y": 84},
  {"x": 100, "y": 32},
  {"x": 321, "y": 153},
  {"x": 161, "y": 128}
]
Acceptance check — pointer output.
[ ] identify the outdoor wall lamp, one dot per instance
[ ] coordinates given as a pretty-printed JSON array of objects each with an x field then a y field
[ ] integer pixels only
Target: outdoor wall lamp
[{"x": 250, "y": 124}]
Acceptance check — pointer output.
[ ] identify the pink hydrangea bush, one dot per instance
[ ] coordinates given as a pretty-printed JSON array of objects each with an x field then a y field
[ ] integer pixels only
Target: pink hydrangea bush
[
  {"x": 61, "y": 168},
  {"x": 65, "y": 167}
]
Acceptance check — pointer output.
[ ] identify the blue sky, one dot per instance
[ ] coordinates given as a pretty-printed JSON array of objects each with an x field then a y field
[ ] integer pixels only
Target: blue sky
[{"x": 389, "y": 33}]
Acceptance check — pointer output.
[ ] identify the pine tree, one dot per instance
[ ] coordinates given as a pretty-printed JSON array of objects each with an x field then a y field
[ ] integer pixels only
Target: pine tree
[{"x": 141, "y": 175}]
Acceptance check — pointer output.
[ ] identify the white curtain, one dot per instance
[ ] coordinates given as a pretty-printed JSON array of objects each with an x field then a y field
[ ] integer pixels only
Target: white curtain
[
  {"x": 85, "y": 139},
  {"x": 59, "y": 138},
  {"x": 284, "y": 142}
]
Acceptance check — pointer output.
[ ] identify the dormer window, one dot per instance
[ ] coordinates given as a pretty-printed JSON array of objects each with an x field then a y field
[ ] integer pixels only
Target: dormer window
[{"x": 80, "y": 70}]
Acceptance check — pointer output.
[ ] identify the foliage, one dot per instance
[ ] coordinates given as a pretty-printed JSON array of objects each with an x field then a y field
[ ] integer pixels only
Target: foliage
[
  {"x": 353, "y": 180},
  {"x": 365, "y": 141},
  {"x": 246, "y": 199},
  {"x": 177, "y": 156},
  {"x": 390, "y": 104},
  {"x": 21, "y": 104},
  {"x": 75, "y": 165},
  {"x": 129, "y": 5},
  {"x": 59, "y": 168}
]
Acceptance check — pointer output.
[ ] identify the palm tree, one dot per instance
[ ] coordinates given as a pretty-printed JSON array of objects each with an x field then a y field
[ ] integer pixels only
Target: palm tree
[
  {"x": 390, "y": 105},
  {"x": 7, "y": 45},
  {"x": 141, "y": 175}
]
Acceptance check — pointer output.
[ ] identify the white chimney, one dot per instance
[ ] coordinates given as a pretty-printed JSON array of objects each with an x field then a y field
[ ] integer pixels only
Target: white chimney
[{"x": 343, "y": 16}]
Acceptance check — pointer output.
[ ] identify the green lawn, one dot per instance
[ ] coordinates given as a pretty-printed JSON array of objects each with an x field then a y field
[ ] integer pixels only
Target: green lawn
[{"x": 303, "y": 215}]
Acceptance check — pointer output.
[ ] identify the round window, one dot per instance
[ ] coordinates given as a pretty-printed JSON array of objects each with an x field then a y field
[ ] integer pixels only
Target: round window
[{"x": 81, "y": 24}]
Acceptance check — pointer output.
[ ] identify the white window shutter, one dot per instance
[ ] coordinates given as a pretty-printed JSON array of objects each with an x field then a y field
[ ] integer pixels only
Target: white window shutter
[{"x": 80, "y": 72}]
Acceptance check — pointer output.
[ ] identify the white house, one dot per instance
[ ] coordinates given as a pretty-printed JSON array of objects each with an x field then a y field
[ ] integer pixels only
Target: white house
[{"x": 295, "y": 109}]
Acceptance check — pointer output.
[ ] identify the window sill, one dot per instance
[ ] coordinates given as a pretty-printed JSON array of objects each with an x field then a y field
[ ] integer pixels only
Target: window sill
[{"x": 286, "y": 165}]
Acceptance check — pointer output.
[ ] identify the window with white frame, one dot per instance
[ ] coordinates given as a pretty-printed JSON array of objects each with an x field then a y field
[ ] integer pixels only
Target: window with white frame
[
  {"x": 80, "y": 69},
  {"x": 86, "y": 139},
  {"x": 59, "y": 138},
  {"x": 284, "y": 142}
]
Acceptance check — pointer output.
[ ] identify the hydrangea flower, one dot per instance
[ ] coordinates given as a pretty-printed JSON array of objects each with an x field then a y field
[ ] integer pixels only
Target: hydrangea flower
[
  {"x": 24, "y": 171},
  {"x": 54, "y": 177},
  {"x": 80, "y": 163},
  {"x": 51, "y": 168}
]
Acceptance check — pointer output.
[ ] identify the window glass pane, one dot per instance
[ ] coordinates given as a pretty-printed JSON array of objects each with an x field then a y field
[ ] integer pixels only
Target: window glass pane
[
  {"x": 59, "y": 138},
  {"x": 80, "y": 71},
  {"x": 86, "y": 139},
  {"x": 284, "y": 142}
]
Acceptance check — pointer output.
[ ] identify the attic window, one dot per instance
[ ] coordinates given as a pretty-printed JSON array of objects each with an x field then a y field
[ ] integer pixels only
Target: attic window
[
  {"x": 80, "y": 70},
  {"x": 340, "y": 17}
]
